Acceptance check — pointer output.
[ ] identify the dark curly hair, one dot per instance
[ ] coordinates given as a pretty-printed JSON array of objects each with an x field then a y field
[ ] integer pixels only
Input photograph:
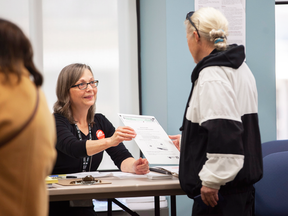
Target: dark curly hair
[{"x": 16, "y": 51}]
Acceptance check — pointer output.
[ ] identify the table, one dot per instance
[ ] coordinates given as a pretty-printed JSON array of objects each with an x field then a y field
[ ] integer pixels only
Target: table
[{"x": 131, "y": 187}]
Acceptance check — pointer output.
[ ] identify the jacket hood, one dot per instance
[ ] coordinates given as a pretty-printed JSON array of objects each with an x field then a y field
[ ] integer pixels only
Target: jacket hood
[{"x": 232, "y": 57}]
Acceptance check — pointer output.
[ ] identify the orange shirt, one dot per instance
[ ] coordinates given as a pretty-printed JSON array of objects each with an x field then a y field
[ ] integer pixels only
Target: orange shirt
[{"x": 26, "y": 160}]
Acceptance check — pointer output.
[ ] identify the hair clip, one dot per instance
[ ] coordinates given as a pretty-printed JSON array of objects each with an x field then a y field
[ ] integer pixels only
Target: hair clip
[{"x": 218, "y": 40}]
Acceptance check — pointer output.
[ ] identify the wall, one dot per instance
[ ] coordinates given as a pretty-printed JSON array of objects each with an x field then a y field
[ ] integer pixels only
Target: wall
[
  {"x": 166, "y": 65},
  {"x": 102, "y": 34},
  {"x": 260, "y": 53}
]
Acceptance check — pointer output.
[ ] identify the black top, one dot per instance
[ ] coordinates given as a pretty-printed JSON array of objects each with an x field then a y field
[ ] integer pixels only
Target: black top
[{"x": 70, "y": 150}]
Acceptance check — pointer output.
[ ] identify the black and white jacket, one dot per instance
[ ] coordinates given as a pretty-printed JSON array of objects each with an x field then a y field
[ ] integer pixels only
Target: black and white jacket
[{"x": 220, "y": 143}]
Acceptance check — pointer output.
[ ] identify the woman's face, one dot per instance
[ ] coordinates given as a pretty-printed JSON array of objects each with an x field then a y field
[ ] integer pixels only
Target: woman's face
[
  {"x": 192, "y": 44},
  {"x": 83, "y": 98}
]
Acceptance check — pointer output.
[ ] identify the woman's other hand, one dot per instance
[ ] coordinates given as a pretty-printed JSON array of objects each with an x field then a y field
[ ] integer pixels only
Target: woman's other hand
[
  {"x": 141, "y": 166},
  {"x": 176, "y": 140}
]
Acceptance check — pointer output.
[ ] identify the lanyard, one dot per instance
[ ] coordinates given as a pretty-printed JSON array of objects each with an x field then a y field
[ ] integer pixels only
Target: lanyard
[{"x": 85, "y": 159}]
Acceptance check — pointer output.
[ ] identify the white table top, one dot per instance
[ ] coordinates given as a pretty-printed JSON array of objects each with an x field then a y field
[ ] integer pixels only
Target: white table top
[{"x": 118, "y": 188}]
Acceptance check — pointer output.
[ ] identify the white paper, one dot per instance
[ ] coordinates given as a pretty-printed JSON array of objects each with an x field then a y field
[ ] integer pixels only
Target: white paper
[
  {"x": 119, "y": 175},
  {"x": 152, "y": 139},
  {"x": 156, "y": 176},
  {"x": 234, "y": 11},
  {"x": 150, "y": 175},
  {"x": 95, "y": 174},
  {"x": 125, "y": 175},
  {"x": 134, "y": 203}
]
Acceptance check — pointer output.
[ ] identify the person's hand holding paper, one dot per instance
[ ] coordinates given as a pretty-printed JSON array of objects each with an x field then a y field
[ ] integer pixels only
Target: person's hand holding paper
[
  {"x": 152, "y": 139},
  {"x": 176, "y": 139}
]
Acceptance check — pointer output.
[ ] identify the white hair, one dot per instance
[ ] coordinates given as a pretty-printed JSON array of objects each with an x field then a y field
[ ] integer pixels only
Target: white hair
[{"x": 211, "y": 24}]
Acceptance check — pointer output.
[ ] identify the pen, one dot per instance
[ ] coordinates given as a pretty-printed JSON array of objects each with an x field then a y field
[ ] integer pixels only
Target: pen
[{"x": 71, "y": 176}]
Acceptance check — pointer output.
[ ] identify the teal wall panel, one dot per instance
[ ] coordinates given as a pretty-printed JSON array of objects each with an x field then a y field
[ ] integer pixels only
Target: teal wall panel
[
  {"x": 260, "y": 54},
  {"x": 166, "y": 65},
  {"x": 154, "y": 59}
]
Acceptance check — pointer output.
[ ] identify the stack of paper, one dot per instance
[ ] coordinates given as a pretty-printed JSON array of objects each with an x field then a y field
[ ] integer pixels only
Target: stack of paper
[
  {"x": 138, "y": 203},
  {"x": 133, "y": 203},
  {"x": 49, "y": 181},
  {"x": 155, "y": 176}
]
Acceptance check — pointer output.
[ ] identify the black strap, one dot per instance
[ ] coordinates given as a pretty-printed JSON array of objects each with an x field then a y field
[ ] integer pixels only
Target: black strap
[
  {"x": 85, "y": 159},
  {"x": 17, "y": 132}
]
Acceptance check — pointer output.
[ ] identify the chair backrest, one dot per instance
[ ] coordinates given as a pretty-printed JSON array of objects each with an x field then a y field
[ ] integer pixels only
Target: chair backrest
[
  {"x": 272, "y": 190},
  {"x": 274, "y": 146}
]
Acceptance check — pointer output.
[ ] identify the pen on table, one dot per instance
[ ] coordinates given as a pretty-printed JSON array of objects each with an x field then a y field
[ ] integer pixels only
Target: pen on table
[{"x": 71, "y": 176}]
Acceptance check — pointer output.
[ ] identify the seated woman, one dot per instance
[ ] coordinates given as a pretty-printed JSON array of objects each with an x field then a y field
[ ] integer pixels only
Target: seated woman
[{"x": 82, "y": 135}]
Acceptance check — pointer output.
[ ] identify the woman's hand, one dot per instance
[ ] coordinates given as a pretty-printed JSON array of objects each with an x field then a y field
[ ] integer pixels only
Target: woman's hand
[
  {"x": 141, "y": 166},
  {"x": 122, "y": 134},
  {"x": 176, "y": 140}
]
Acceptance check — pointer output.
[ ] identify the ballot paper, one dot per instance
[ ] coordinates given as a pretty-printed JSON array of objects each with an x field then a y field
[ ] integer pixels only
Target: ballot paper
[{"x": 151, "y": 138}]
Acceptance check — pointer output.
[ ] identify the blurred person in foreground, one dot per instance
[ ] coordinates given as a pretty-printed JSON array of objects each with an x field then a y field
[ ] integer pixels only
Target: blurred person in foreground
[
  {"x": 220, "y": 147},
  {"x": 82, "y": 135},
  {"x": 27, "y": 128}
]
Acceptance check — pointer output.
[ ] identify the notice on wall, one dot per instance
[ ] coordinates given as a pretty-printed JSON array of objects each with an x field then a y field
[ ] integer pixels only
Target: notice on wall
[
  {"x": 235, "y": 12},
  {"x": 151, "y": 138}
]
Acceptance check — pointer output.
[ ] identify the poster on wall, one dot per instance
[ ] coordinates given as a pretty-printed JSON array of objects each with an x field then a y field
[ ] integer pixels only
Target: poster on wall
[{"x": 235, "y": 12}]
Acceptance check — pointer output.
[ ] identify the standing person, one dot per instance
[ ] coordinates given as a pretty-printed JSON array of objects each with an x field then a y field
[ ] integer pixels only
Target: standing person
[
  {"x": 220, "y": 143},
  {"x": 82, "y": 135},
  {"x": 27, "y": 128}
]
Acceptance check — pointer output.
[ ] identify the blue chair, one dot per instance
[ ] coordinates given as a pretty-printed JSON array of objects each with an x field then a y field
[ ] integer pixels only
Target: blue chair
[
  {"x": 274, "y": 146},
  {"x": 272, "y": 190}
]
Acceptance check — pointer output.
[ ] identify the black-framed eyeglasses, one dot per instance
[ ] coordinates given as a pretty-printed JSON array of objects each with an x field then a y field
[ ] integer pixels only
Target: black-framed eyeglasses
[
  {"x": 83, "y": 86},
  {"x": 188, "y": 18}
]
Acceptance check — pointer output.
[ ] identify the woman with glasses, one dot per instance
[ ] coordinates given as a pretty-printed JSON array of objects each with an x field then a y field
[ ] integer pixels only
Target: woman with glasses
[
  {"x": 220, "y": 150},
  {"x": 82, "y": 135}
]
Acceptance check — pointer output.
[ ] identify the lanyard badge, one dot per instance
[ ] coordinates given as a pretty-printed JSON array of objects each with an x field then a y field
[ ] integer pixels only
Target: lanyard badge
[{"x": 85, "y": 159}]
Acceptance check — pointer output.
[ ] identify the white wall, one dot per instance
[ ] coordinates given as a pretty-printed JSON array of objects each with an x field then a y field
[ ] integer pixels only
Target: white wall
[{"x": 102, "y": 34}]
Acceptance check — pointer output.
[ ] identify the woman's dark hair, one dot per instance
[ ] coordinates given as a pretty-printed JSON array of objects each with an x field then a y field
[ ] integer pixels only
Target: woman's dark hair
[{"x": 15, "y": 51}]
